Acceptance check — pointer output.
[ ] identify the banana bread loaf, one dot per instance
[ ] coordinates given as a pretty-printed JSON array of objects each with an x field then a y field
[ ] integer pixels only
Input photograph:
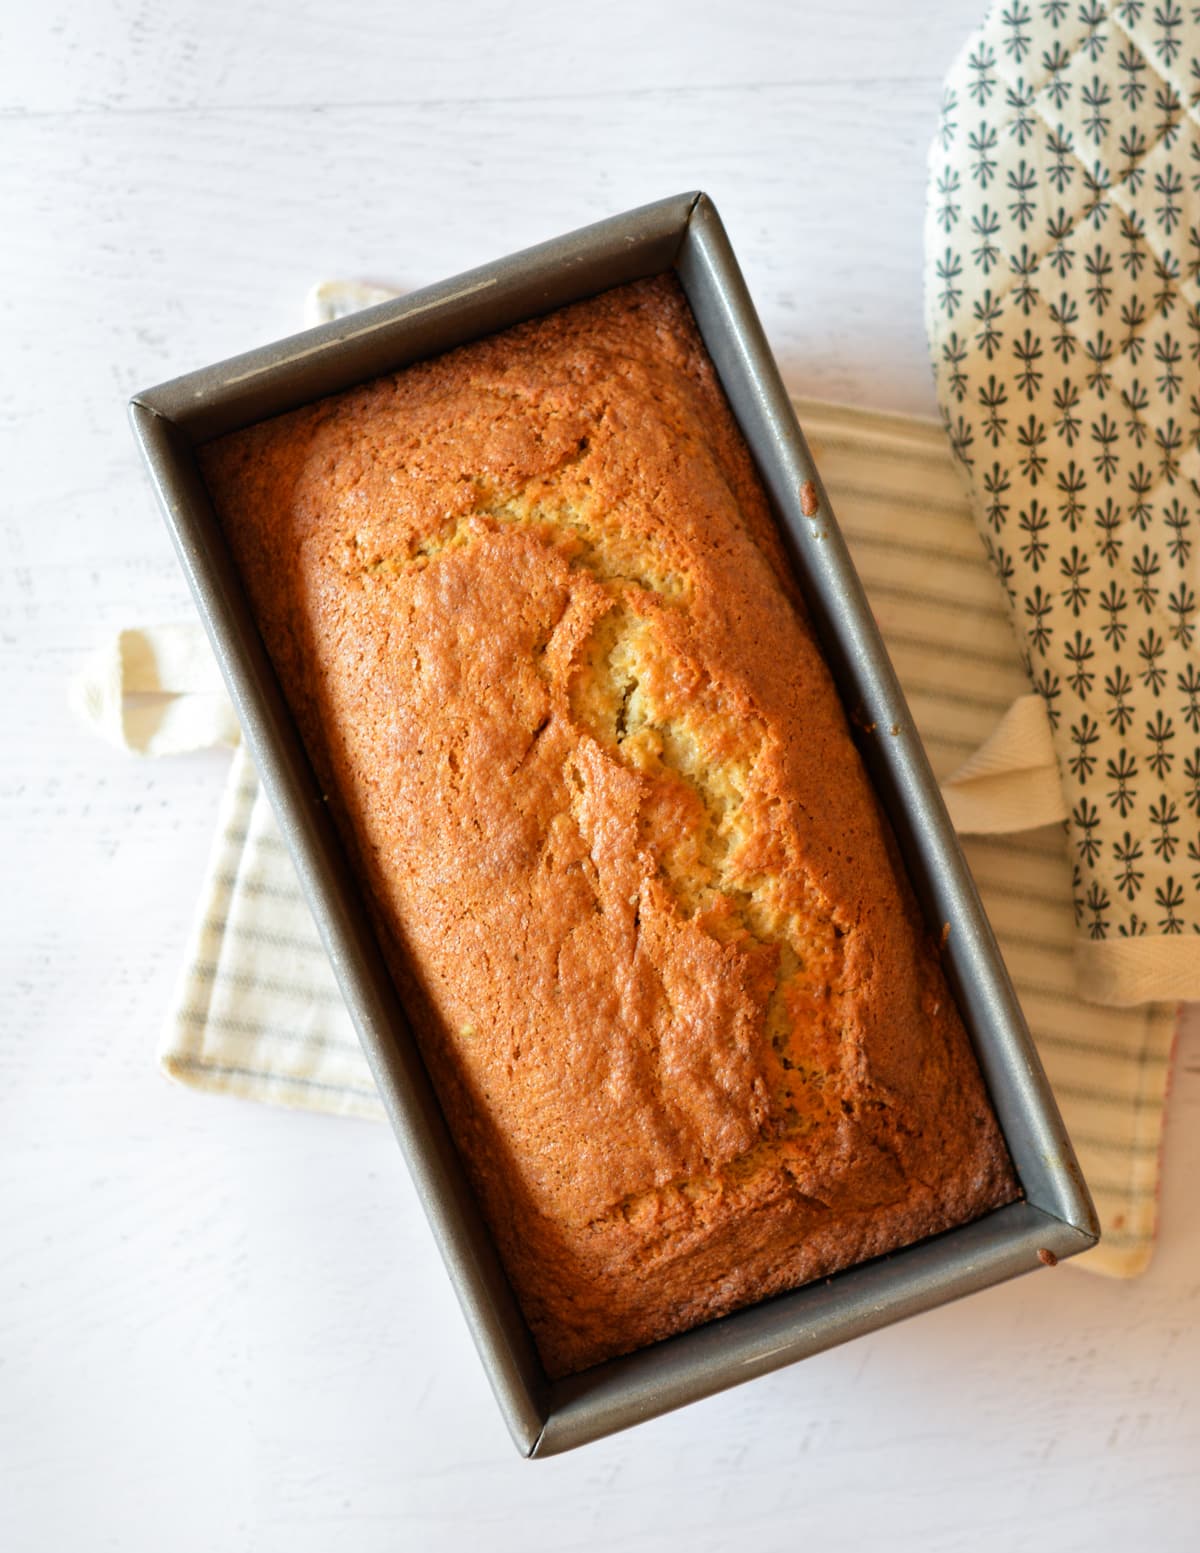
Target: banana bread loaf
[{"x": 529, "y": 609}]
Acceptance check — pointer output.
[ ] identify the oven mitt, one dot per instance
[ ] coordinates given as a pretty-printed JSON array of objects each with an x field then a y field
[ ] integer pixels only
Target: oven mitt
[{"x": 1063, "y": 311}]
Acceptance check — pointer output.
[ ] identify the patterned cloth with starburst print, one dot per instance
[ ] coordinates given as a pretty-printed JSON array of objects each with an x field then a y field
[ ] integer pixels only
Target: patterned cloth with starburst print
[{"x": 1063, "y": 310}]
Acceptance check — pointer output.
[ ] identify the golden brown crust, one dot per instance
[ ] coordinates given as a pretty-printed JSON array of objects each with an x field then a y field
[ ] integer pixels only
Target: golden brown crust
[{"x": 531, "y": 612}]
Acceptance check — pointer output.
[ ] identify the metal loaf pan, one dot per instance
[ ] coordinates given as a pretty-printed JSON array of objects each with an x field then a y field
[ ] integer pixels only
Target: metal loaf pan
[{"x": 1055, "y": 1219}]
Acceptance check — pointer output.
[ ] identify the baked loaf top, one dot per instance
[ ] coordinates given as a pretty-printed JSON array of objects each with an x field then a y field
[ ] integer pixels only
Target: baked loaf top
[{"x": 529, "y": 608}]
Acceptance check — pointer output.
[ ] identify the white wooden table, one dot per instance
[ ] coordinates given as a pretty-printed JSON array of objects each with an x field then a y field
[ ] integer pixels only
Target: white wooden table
[{"x": 226, "y": 1328}]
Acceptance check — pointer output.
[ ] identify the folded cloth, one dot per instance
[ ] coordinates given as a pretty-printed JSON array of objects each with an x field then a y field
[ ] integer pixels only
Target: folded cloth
[
  {"x": 155, "y": 693},
  {"x": 1011, "y": 781},
  {"x": 1063, "y": 308},
  {"x": 257, "y": 1012}
]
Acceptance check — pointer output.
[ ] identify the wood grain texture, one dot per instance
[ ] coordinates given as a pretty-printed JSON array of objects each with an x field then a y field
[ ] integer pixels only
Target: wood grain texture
[{"x": 221, "y": 1327}]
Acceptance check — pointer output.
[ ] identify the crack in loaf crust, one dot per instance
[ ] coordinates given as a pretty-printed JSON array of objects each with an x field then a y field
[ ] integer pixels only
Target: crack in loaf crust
[{"x": 530, "y": 611}]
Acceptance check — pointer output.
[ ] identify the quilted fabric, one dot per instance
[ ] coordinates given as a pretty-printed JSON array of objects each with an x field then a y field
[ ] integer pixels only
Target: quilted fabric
[{"x": 1063, "y": 310}]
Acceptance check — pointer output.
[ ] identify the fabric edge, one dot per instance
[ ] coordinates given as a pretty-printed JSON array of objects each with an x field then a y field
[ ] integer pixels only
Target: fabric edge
[
  {"x": 283, "y": 1091},
  {"x": 1124, "y": 972}
]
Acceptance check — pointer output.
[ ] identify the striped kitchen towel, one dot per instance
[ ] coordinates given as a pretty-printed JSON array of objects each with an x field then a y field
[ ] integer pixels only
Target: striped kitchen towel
[{"x": 258, "y": 1013}]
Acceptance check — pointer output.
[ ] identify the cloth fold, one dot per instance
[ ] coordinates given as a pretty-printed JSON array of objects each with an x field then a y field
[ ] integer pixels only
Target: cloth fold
[
  {"x": 1011, "y": 781},
  {"x": 155, "y": 692}
]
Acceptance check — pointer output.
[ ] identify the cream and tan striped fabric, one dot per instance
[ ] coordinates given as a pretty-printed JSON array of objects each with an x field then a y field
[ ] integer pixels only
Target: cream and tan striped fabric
[{"x": 258, "y": 1013}]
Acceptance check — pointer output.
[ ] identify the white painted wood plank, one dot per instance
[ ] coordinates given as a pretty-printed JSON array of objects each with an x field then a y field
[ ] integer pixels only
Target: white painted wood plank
[
  {"x": 129, "y": 55},
  {"x": 231, "y": 216}
]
